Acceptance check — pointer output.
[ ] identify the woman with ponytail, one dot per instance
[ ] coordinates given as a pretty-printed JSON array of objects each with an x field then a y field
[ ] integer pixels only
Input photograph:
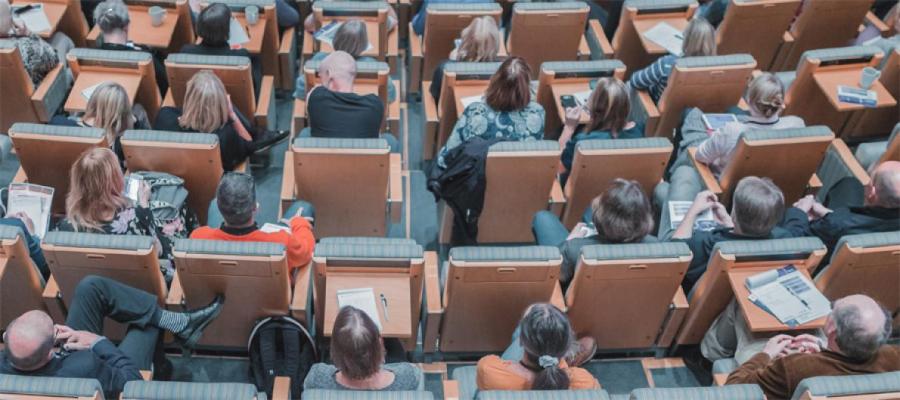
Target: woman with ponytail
[
  {"x": 543, "y": 356},
  {"x": 765, "y": 96}
]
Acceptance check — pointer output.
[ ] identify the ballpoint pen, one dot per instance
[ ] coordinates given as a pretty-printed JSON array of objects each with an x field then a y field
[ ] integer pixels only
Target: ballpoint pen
[{"x": 385, "y": 307}]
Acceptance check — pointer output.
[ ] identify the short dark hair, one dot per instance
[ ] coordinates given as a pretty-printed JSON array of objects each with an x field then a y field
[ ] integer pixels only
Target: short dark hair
[
  {"x": 545, "y": 332},
  {"x": 854, "y": 340},
  {"x": 622, "y": 213},
  {"x": 356, "y": 347},
  {"x": 213, "y": 25},
  {"x": 510, "y": 87},
  {"x": 758, "y": 206},
  {"x": 236, "y": 198}
]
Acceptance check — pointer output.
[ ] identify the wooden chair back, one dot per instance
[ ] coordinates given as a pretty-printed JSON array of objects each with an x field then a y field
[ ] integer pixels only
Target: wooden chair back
[
  {"x": 234, "y": 72},
  {"x": 763, "y": 20},
  {"x": 821, "y": 25},
  {"x": 445, "y": 24},
  {"x": 542, "y": 32}
]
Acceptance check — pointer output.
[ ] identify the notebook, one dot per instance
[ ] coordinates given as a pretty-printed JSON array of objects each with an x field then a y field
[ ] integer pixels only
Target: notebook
[
  {"x": 666, "y": 37},
  {"x": 237, "y": 35},
  {"x": 362, "y": 299},
  {"x": 34, "y": 18}
]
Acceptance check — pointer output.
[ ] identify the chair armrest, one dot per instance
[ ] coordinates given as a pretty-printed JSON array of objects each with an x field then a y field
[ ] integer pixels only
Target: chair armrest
[
  {"x": 169, "y": 99},
  {"x": 416, "y": 62},
  {"x": 431, "y": 122},
  {"x": 814, "y": 184},
  {"x": 299, "y": 117},
  {"x": 51, "y": 289},
  {"x": 281, "y": 390},
  {"x": 557, "y": 298},
  {"x": 850, "y": 161},
  {"x": 287, "y": 58},
  {"x": 787, "y": 44},
  {"x": 584, "y": 51},
  {"x": 300, "y": 299},
  {"x": 877, "y": 23},
  {"x": 20, "y": 176},
  {"x": 146, "y": 375},
  {"x": 265, "y": 105},
  {"x": 719, "y": 379},
  {"x": 287, "y": 179},
  {"x": 53, "y": 301},
  {"x": 451, "y": 390},
  {"x": 595, "y": 33},
  {"x": 395, "y": 182},
  {"x": 49, "y": 96},
  {"x": 175, "y": 299},
  {"x": 308, "y": 48},
  {"x": 677, "y": 312},
  {"x": 706, "y": 175},
  {"x": 644, "y": 110},
  {"x": 434, "y": 307},
  {"x": 557, "y": 198},
  {"x": 415, "y": 43}
]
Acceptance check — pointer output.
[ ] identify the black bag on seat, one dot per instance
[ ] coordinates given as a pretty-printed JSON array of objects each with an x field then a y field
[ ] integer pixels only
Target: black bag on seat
[{"x": 280, "y": 346}]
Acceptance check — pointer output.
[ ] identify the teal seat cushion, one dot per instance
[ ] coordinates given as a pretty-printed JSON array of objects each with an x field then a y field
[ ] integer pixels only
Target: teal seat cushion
[
  {"x": 156, "y": 390},
  {"x": 46, "y": 386}
]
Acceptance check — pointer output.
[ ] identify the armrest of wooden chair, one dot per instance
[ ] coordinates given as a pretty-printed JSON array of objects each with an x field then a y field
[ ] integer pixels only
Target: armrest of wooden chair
[
  {"x": 300, "y": 300},
  {"x": 644, "y": 109},
  {"x": 814, "y": 184},
  {"x": 49, "y": 96},
  {"x": 175, "y": 299},
  {"x": 557, "y": 298},
  {"x": 787, "y": 44},
  {"x": 873, "y": 20},
  {"x": 557, "y": 199},
  {"x": 677, "y": 312},
  {"x": 395, "y": 182},
  {"x": 266, "y": 106},
  {"x": 287, "y": 58},
  {"x": 850, "y": 161},
  {"x": 451, "y": 390},
  {"x": 584, "y": 51},
  {"x": 168, "y": 100},
  {"x": 719, "y": 379},
  {"x": 595, "y": 33},
  {"x": 706, "y": 175},
  {"x": 308, "y": 48},
  {"x": 298, "y": 117},
  {"x": 434, "y": 310},
  {"x": 287, "y": 182},
  {"x": 146, "y": 375},
  {"x": 20, "y": 176},
  {"x": 416, "y": 62},
  {"x": 53, "y": 301},
  {"x": 281, "y": 390},
  {"x": 431, "y": 122}
]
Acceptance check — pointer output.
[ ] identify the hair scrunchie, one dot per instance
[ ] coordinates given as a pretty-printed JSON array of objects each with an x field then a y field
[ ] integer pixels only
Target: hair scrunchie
[{"x": 548, "y": 361}]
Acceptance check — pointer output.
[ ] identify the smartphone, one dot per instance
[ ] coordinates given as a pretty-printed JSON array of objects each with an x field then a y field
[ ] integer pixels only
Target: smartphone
[
  {"x": 568, "y": 101},
  {"x": 133, "y": 187}
]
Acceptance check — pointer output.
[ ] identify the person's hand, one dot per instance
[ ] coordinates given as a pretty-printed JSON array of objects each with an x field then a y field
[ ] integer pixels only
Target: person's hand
[
  {"x": 720, "y": 214},
  {"x": 29, "y": 224},
  {"x": 144, "y": 195},
  {"x": 807, "y": 343},
  {"x": 818, "y": 211},
  {"x": 805, "y": 203},
  {"x": 777, "y": 345},
  {"x": 702, "y": 202},
  {"x": 60, "y": 330},
  {"x": 573, "y": 116},
  {"x": 77, "y": 340},
  {"x": 579, "y": 231},
  {"x": 20, "y": 28}
]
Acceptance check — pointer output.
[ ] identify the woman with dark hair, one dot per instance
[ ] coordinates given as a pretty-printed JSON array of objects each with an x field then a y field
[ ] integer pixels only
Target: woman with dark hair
[
  {"x": 506, "y": 110},
  {"x": 357, "y": 352},
  {"x": 539, "y": 357},
  {"x": 213, "y": 27}
]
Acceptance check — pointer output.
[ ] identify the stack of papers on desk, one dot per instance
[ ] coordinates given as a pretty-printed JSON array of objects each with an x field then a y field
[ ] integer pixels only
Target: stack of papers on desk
[
  {"x": 35, "y": 19},
  {"x": 666, "y": 37},
  {"x": 362, "y": 299},
  {"x": 788, "y": 295},
  {"x": 848, "y": 94}
]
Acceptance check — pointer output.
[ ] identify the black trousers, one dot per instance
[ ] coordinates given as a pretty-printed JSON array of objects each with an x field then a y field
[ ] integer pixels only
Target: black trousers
[{"x": 97, "y": 298}]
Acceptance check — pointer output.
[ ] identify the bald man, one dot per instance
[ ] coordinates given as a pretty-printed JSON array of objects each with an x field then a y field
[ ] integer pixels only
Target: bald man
[
  {"x": 856, "y": 330},
  {"x": 335, "y": 111},
  {"x": 31, "y": 338},
  {"x": 880, "y": 211}
]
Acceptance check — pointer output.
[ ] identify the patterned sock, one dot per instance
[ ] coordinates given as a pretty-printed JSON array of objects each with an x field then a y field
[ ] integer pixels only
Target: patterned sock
[{"x": 174, "y": 322}]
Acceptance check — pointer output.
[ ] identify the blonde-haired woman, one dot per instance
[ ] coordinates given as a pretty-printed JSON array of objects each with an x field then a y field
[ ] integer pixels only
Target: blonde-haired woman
[
  {"x": 109, "y": 109},
  {"x": 479, "y": 42},
  {"x": 765, "y": 96},
  {"x": 208, "y": 109},
  {"x": 608, "y": 108},
  {"x": 699, "y": 40}
]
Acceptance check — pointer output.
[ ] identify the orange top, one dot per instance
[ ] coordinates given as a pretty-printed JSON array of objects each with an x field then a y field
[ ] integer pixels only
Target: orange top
[
  {"x": 299, "y": 243},
  {"x": 495, "y": 373}
]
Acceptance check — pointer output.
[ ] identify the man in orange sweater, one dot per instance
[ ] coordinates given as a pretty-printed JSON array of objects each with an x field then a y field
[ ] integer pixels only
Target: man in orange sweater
[{"x": 236, "y": 204}]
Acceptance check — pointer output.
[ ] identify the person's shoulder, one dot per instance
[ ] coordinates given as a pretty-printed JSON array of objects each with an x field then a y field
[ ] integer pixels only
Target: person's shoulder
[
  {"x": 580, "y": 378},
  {"x": 205, "y": 232},
  {"x": 406, "y": 375},
  {"x": 490, "y": 363},
  {"x": 320, "y": 376},
  {"x": 534, "y": 107}
]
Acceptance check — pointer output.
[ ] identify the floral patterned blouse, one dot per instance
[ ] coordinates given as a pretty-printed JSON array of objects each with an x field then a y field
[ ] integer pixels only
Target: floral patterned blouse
[
  {"x": 38, "y": 56},
  {"x": 479, "y": 119}
]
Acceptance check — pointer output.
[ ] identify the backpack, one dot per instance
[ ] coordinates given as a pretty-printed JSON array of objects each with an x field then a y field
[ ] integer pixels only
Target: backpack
[
  {"x": 280, "y": 346},
  {"x": 168, "y": 197}
]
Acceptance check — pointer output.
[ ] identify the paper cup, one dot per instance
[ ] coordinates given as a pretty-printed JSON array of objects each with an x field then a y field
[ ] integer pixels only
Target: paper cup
[
  {"x": 156, "y": 15},
  {"x": 869, "y": 75},
  {"x": 251, "y": 13}
]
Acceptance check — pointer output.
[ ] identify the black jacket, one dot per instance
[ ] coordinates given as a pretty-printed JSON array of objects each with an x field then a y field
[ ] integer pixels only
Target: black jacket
[
  {"x": 232, "y": 148},
  {"x": 854, "y": 220},
  {"x": 104, "y": 362}
]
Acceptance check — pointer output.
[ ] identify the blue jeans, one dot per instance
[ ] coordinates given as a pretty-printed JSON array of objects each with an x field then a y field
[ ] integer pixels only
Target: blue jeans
[
  {"x": 548, "y": 230},
  {"x": 214, "y": 216}
]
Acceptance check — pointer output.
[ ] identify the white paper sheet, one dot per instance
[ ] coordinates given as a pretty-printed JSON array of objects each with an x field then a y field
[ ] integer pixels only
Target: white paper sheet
[
  {"x": 362, "y": 299},
  {"x": 678, "y": 209},
  {"x": 667, "y": 37},
  {"x": 35, "y": 19},
  {"x": 237, "y": 35},
  {"x": 89, "y": 91},
  {"x": 788, "y": 295}
]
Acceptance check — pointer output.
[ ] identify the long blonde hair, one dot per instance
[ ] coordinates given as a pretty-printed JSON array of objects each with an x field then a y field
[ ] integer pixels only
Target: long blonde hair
[
  {"x": 110, "y": 110},
  {"x": 95, "y": 189},
  {"x": 609, "y": 106},
  {"x": 699, "y": 38},
  {"x": 480, "y": 41},
  {"x": 205, "y": 103}
]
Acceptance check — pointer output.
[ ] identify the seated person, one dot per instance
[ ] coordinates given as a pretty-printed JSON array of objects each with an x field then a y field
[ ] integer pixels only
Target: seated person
[
  {"x": 358, "y": 353},
  {"x": 479, "y": 42},
  {"x": 608, "y": 107},
  {"x": 236, "y": 207},
  {"x": 880, "y": 211},
  {"x": 336, "y": 111},
  {"x": 38, "y": 56},
  {"x": 208, "y": 109},
  {"x": 30, "y": 339},
  {"x": 213, "y": 28},
  {"x": 418, "y": 21},
  {"x": 32, "y": 241},
  {"x": 757, "y": 213},
  {"x": 857, "y": 330},
  {"x": 621, "y": 214},
  {"x": 311, "y": 25},
  {"x": 765, "y": 96},
  {"x": 109, "y": 109},
  {"x": 351, "y": 37},
  {"x": 507, "y": 110},
  {"x": 543, "y": 355},
  {"x": 287, "y": 16},
  {"x": 699, "y": 40},
  {"x": 96, "y": 203},
  {"x": 112, "y": 18}
]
